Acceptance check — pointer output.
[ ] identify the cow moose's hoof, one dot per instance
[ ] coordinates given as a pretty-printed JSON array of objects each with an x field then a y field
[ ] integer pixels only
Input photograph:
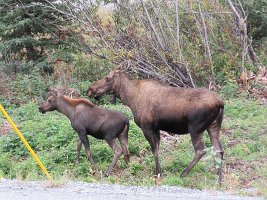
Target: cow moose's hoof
[
  {"x": 219, "y": 180},
  {"x": 107, "y": 174},
  {"x": 158, "y": 179},
  {"x": 157, "y": 176}
]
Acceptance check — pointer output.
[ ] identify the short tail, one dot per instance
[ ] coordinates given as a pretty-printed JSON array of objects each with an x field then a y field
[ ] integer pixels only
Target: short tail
[
  {"x": 124, "y": 141},
  {"x": 220, "y": 116}
]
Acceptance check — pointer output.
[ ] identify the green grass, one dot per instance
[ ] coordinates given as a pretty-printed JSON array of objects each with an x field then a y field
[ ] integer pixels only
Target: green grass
[{"x": 244, "y": 137}]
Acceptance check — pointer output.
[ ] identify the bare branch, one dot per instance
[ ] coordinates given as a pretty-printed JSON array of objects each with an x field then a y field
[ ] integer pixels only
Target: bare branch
[
  {"x": 247, "y": 45},
  {"x": 152, "y": 26},
  {"x": 206, "y": 41},
  {"x": 159, "y": 23}
]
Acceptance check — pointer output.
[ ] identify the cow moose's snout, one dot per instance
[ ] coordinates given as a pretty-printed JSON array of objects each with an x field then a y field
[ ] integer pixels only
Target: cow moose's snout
[
  {"x": 41, "y": 110},
  {"x": 93, "y": 93}
]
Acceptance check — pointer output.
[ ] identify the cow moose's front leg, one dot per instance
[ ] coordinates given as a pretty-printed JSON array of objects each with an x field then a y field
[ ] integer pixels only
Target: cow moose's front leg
[
  {"x": 153, "y": 137},
  {"x": 85, "y": 142}
]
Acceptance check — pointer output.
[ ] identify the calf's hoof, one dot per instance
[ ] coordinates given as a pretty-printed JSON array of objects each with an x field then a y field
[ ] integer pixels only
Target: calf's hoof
[
  {"x": 127, "y": 159},
  {"x": 183, "y": 174}
]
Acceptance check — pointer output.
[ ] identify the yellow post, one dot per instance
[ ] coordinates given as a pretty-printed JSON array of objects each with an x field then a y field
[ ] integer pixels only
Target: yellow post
[{"x": 25, "y": 142}]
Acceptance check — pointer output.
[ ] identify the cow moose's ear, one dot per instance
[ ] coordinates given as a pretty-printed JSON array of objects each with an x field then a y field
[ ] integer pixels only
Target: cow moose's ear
[
  {"x": 123, "y": 70},
  {"x": 120, "y": 70},
  {"x": 110, "y": 76}
]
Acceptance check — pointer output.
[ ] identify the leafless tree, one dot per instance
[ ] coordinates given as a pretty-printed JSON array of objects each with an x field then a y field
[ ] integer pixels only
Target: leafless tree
[{"x": 171, "y": 40}]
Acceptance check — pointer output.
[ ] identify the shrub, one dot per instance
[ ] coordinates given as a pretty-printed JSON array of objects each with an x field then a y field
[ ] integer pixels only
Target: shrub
[
  {"x": 229, "y": 90},
  {"x": 257, "y": 18}
]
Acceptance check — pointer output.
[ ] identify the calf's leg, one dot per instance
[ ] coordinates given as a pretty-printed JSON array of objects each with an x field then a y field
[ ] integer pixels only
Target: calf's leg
[
  {"x": 123, "y": 138},
  {"x": 78, "y": 150},
  {"x": 85, "y": 142},
  {"x": 117, "y": 153},
  {"x": 199, "y": 146}
]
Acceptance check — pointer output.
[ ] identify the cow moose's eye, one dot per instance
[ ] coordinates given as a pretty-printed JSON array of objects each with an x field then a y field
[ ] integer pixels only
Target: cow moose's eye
[{"x": 107, "y": 78}]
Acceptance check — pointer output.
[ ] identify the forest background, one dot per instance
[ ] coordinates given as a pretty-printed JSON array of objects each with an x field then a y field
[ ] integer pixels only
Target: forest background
[{"x": 217, "y": 44}]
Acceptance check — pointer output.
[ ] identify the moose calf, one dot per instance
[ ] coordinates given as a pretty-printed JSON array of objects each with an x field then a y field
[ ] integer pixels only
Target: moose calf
[{"x": 88, "y": 119}]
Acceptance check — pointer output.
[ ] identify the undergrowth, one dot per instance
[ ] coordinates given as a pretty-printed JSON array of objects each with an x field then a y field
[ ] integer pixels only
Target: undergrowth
[{"x": 244, "y": 137}]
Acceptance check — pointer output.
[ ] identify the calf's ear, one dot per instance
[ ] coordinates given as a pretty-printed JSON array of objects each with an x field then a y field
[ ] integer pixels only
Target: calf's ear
[{"x": 53, "y": 91}]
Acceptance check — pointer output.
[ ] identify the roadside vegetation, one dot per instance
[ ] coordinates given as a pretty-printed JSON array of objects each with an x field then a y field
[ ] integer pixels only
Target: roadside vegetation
[
  {"x": 52, "y": 138},
  {"x": 207, "y": 44}
]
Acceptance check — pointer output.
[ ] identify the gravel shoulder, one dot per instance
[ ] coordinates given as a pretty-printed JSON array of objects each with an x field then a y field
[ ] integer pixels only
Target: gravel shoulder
[{"x": 22, "y": 190}]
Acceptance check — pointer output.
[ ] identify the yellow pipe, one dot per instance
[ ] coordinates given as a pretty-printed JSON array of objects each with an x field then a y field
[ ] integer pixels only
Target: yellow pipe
[{"x": 25, "y": 142}]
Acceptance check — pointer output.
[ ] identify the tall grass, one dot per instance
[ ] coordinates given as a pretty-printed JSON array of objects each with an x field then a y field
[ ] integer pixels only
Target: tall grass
[{"x": 244, "y": 137}]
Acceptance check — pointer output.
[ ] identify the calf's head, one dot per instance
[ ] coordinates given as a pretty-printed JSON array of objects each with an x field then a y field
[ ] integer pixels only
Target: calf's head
[
  {"x": 51, "y": 103},
  {"x": 104, "y": 85}
]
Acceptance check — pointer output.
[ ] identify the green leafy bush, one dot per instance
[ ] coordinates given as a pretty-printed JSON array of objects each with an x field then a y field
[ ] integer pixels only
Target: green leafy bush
[
  {"x": 229, "y": 90},
  {"x": 27, "y": 87},
  {"x": 90, "y": 68},
  {"x": 257, "y": 18}
]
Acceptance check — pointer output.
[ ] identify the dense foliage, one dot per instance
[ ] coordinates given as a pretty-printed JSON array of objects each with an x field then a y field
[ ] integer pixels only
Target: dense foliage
[
  {"x": 256, "y": 11},
  {"x": 28, "y": 35}
]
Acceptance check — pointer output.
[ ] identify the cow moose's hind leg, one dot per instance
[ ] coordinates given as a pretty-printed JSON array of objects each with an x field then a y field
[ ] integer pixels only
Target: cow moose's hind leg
[
  {"x": 197, "y": 141},
  {"x": 214, "y": 131}
]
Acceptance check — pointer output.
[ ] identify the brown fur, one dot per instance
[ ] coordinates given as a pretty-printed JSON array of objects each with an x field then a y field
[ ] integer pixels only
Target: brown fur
[
  {"x": 157, "y": 106},
  {"x": 89, "y": 119},
  {"x": 75, "y": 102}
]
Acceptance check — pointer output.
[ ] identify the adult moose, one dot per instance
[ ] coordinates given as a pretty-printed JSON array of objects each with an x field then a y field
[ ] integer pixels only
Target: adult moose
[
  {"x": 87, "y": 118},
  {"x": 157, "y": 106}
]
